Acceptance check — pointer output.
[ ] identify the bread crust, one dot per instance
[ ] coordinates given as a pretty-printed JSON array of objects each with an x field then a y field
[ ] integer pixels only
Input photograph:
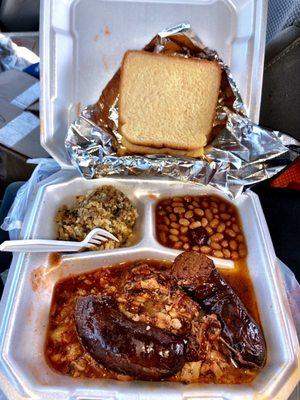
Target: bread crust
[
  {"x": 131, "y": 148},
  {"x": 164, "y": 145}
]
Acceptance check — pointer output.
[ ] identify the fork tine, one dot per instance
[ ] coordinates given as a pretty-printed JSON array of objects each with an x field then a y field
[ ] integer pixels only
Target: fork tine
[
  {"x": 95, "y": 241},
  {"x": 106, "y": 234},
  {"x": 99, "y": 237}
]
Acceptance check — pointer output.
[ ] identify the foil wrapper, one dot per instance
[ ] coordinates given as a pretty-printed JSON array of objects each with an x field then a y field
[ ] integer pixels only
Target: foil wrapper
[{"x": 240, "y": 152}]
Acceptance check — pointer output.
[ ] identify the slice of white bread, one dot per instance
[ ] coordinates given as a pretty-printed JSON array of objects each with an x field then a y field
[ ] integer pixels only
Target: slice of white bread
[
  {"x": 167, "y": 101},
  {"x": 131, "y": 148}
]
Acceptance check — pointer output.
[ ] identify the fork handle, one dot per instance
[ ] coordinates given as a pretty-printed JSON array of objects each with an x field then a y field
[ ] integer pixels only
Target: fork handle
[{"x": 39, "y": 246}]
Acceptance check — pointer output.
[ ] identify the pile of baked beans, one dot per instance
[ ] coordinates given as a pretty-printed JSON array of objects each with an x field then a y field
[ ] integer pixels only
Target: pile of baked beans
[{"x": 208, "y": 224}]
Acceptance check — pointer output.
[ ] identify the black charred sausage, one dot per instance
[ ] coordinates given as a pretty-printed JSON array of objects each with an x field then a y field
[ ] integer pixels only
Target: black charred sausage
[
  {"x": 197, "y": 275},
  {"x": 125, "y": 346}
]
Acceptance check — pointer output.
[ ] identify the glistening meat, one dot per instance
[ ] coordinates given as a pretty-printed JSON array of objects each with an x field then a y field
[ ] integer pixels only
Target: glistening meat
[
  {"x": 132, "y": 348},
  {"x": 197, "y": 275}
]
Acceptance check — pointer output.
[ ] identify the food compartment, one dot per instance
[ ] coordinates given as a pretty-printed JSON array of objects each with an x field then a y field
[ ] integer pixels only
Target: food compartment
[
  {"x": 137, "y": 297},
  {"x": 73, "y": 209},
  {"x": 206, "y": 223}
]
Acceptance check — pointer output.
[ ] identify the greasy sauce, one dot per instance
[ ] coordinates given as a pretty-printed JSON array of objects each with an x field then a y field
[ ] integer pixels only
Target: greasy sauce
[
  {"x": 240, "y": 281},
  {"x": 63, "y": 348}
]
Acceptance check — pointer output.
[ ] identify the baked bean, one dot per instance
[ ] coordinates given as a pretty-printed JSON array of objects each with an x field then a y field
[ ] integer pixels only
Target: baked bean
[
  {"x": 196, "y": 248},
  {"x": 214, "y": 223},
  {"x": 218, "y": 253},
  {"x": 205, "y": 249},
  {"x": 178, "y": 245},
  {"x": 224, "y": 243},
  {"x": 184, "y": 239},
  {"x": 222, "y": 207},
  {"x": 186, "y": 246},
  {"x": 163, "y": 237},
  {"x": 195, "y": 224},
  {"x": 215, "y": 246},
  {"x": 205, "y": 204},
  {"x": 217, "y": 237},
  {"x": 189, "y": 214},
  {"x": 240, "y": 238},
  {"x": 234, "y": 255},
  {"x": 199, "y": 212},
  {"x": 188, "y": 199},
  {"x": 233, "y": 244},
  {"x": 174, "y": 225},
  {"x": 163, "y": 228},
  {"x": 204, "y": 222},
  {"x": 177, "y": 204},
  {"x": 174, "y": 231},
  {"x": 225, "y": 216},
  {"x": 184, "y": 222},
  {"x": 169, "y": 208},
  {"x": 208, "y": 214},
  {"x": 221, "y": 227},
  {"x": 215, "y": 210},
  {"x": 179, "y": 210},
  {"x": 236, "y": 228},
  {"x": 177, "y": 198},
  {"x": 209, "y": 230},
  {"x": 161, "y": 213},
  {"x": 228, "y": 223},
  {"x": 172, "y": 217},
  {"x": 166, "y": 221},
  {"x": 214, "y": 204},
  {"x": 184, "y": 229},
  {"x": 231, "y": 233},
  {"x": 190, "y": 207},
  {"x": 226, "y": 253},
  {"x": 173, "y": 238},
  {"x": 195, "y": 204}
]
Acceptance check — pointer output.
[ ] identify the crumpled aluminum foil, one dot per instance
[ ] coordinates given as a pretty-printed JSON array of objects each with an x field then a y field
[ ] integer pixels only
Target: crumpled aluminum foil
[{"x": 241, "y": 153}]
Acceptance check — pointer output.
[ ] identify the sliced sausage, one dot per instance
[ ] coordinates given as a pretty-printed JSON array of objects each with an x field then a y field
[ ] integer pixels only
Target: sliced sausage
[
  {"x": 197, "y": 275},
  {"x": 125, "y": 346}
]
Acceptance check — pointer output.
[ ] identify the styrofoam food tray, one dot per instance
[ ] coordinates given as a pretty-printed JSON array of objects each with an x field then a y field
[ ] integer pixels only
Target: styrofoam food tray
[
  {"x": 25, "y": 311},
  {"x": 83, "y": 42}
]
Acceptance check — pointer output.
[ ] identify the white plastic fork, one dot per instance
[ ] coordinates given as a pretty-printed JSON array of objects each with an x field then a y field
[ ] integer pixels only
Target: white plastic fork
[{"x": 95, "y": 237}]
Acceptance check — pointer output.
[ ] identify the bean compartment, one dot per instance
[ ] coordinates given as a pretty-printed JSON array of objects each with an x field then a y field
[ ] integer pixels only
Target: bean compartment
[{"x": 208, "y": 224}]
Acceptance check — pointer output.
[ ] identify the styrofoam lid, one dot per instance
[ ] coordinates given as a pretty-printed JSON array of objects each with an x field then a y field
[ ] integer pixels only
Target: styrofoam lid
[{"x": 83, "y": 42}]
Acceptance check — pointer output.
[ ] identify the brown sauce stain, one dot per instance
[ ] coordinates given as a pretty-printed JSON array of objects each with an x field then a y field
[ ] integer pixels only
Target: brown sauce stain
[
  {"x": 54, "y": 259},
  {"x": 29, "y": 313},
  {"x": 96, "y": 37},
  {"x": 40, "y": 375},
  {"x": 38, "y": 279},
  {"x": 106, "y": 31},
  {"x": 77, "y": 108},
  {"x": 152, "y": 196}
]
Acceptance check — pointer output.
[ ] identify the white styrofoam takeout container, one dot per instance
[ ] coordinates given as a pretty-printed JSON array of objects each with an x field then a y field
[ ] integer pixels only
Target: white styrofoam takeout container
[
  {"x": 26, "y": 309},
  {"x": 82, "y": 43}
]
